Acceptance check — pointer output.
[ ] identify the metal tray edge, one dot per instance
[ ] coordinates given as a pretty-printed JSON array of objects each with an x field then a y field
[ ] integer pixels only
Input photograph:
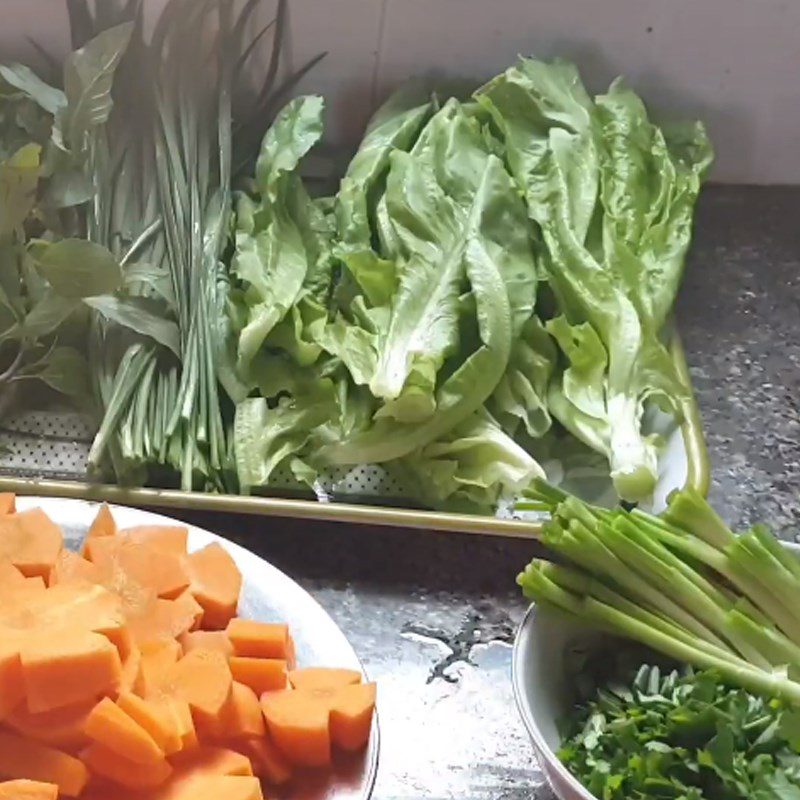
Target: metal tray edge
[{"x": 698, "y": 477}]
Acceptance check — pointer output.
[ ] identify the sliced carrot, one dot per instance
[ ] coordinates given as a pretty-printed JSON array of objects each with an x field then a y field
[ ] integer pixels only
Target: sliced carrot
[
  {"x": 229, "y": 787},
  {"x": 23, "y": 758},
  {"x": 10, "y": 575},
  {"x": 31, "y": 541},
  {"x": 12, "y": 684},
  {"x": 28, "y": 790},
  {"x": 70, "y": 567},
  {"x": 166, "y": 538},
  {"x": 240, "y": 718},
  {"x": 323, "y": 678},
  {"x": 8, "y": 502},
  {"x": 153, "y": 719},
  {"x": 78, "y": 605},
  {"x": 164, "y": 572},
  {"x": 60, "y": 668},
  {"x": 268, "y": 762},
  {"x": 298, "y": 724},
  {"x": 61, "y": 728},
  {"x": 120, "y": 733},
  {"x": 202, "y": 678},
  {"x": 161, "y": 619},
  {"x": 157, "y": 657},
  {"x": 213, "y": 761},
  {"x": 260, "y": 674},
  {"x": 351, "y": 716},
  {"x": 103, "y": 525},
  {"x": 291, "y": 654},
  {"x": 131, "y": 667},
  {"x": 179, "y": 717},
  {"x": 215, "y": 583},
  {"x": 108, "y": 764},
  {"x": 207, "y": 640},
  {"x": 258, "y": 639},
  {"x": 186, "y": 604}
]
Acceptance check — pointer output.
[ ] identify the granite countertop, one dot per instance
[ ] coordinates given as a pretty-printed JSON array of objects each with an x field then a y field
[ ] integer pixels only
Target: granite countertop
[{"x": 432, "y": 615}]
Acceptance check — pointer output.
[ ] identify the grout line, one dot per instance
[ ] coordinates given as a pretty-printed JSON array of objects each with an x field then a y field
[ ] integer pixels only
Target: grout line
[{"x": 378, "y": 54}]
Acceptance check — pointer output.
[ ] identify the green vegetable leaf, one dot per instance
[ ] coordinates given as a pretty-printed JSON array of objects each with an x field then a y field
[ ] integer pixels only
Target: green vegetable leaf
[
  {"x": 277, "y": 244},
  {"x": 77, "y": 268},
  {"x": 472, "y": 467},
  {"x": 88, "y": 78},
  {"x": 26, "y": 80},
  {"x": 614, "y": 204},
  {"x": 66, "y": 371},
  {"x": 19, "y": 177},
  {"x": 140, "y": 314},
  {"x": 47, "y": 314}
]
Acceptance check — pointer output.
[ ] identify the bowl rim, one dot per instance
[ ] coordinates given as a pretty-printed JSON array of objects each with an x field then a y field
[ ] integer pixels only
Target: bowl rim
[
  {"x": 551, "y": 759},
  {"x": 553, "y": 762}
]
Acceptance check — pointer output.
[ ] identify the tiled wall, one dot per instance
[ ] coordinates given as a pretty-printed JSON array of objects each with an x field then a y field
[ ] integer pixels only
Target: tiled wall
[{"x": 734, "y": 63}]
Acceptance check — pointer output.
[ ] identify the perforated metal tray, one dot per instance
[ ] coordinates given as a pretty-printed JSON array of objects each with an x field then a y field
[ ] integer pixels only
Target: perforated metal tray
[{"x": 44, "y": 452}]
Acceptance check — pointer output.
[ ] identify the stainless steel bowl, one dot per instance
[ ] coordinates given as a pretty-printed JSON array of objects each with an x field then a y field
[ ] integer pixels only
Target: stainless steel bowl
[{"x": 541, "y": 685}]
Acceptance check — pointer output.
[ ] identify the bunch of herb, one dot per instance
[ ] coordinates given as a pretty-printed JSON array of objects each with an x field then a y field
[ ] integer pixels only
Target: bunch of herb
[
  {"x": 185, "y": 123},
  {"x": 49, "y": 273},
  {"x": 655, "y": 733}
]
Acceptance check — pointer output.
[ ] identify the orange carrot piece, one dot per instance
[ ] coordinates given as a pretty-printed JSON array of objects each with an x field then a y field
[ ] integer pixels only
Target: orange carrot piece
[
  {"x": 28, "y": 790},
  {"x": 8, "y": 503},
  {"x": 258, "y": 639},
  {"x": 351, "y": 716},
  {"x": 240, "y": 718},
  {"x": 215, "y": 583},
  {"x": 207, "y": 640},
  {"x": 164, "y": 572},
  {"x": 23, "y": 758},
  {"x": 61, "y": 728},
  {"x": 78, "y": 605},
  {"x": 31, "y": 541},
  {"x": 179, "y": 716},
  {"x": 213, "y": 761},
  {"x": 153, "y": 719},
  {"x": 186, "y": 604},
  {"x": 260, "y": 674},
  {"x": 114, "y": 729},
  {"x": 10, "y": 576},
  {"x": 298, "y": 724},
  {"x": 170, "y": 539},
  {"x": 323, "y": 678},
  {"x": 229, "y": 787},
  {"x": 202, "y": 678},
  {"x": 108, "y": 764},
  {"x": 268, "y": 762},
  {"x": 131, "y": 667},
  {"x": 60, "y": 668},
  {"x": 103, "y": 524},
  {"x": 12, "y": 684},
  {"x": 71, "y": 568},
  {"x": 161, "y": 619},
  {"x": 291, "y": 654},
  {"x": 157, "y": 657}
]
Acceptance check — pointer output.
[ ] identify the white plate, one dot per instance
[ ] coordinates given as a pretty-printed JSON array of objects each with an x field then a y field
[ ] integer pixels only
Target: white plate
[{"x": 269, "y": 595}]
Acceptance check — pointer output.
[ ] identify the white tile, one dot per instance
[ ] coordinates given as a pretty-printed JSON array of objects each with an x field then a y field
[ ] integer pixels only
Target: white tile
[{"x": 732, "y": 63}]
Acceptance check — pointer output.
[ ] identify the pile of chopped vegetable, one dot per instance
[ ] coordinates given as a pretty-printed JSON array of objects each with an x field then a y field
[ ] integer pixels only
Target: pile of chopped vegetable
[
  {"x": 492, "y": 281},
  {"x": 125, "y": 672},
  {"x": 655, "y": 733}
]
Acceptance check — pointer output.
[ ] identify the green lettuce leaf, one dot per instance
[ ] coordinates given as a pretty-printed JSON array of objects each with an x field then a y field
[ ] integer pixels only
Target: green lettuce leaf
[
  {"x": 472, "y": 467},
  {"x": 280, "y": 241},
  {"x": 457, "y": 225},
  {"x": 614, "y": 202}
]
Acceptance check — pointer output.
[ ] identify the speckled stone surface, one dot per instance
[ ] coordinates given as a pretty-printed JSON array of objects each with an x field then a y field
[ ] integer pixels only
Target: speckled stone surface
[{"x": 432, "y": 615}]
